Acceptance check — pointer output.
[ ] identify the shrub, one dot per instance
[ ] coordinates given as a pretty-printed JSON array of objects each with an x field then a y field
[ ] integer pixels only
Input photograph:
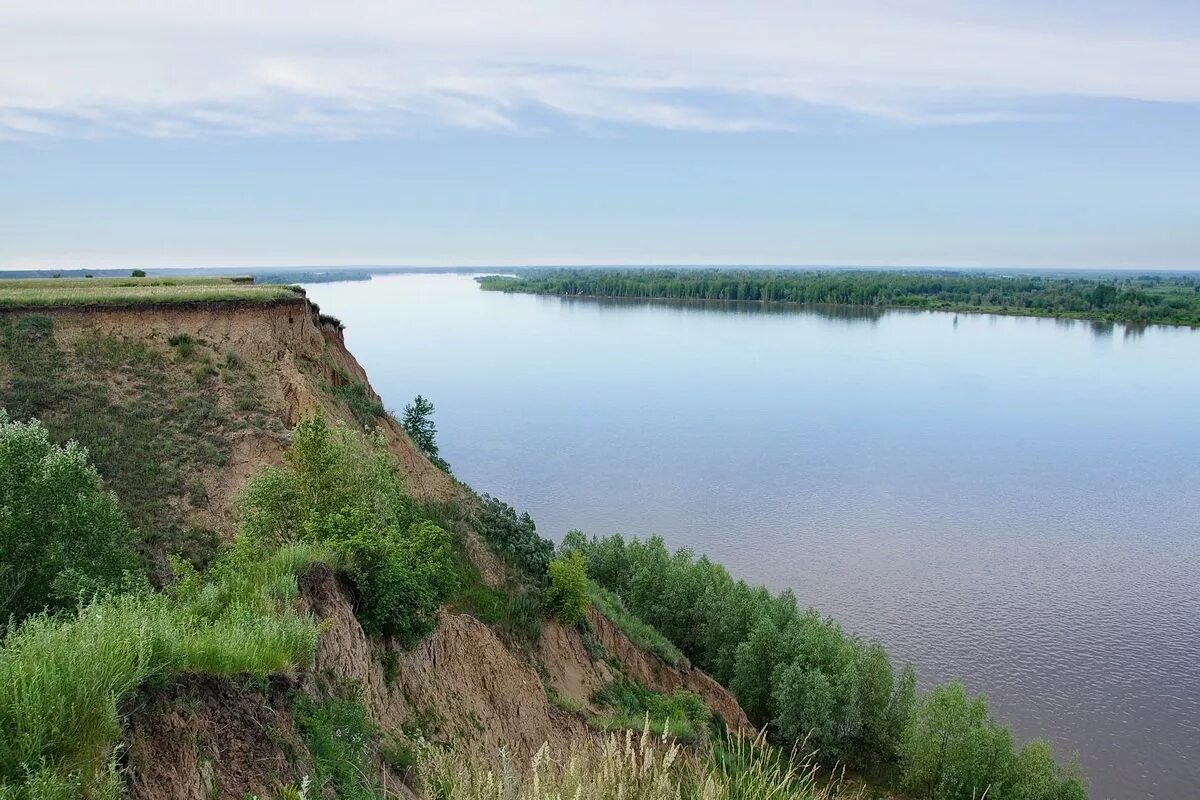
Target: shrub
[
  {"x": 338, "y": 489},
  {"x": 62, "y": 536},
  {"x": 137, "y": 273},
  {"x": 403, "y": 577},
  {"x": 954, "y": 751},
  {"x": 566, "y": 594},
  {"x": 795, "y": 671},
  {"x": 516, "y": 539}
]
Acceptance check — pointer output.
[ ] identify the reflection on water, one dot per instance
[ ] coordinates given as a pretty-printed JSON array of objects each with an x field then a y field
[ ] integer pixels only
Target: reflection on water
[
  {"x": 1010, "y": 501},
  {"x": 830, "y": 312}
]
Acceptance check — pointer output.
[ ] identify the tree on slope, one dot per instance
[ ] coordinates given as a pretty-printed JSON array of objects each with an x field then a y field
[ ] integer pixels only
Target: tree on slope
[
  {"x": 62, "y": 535},
  {"x": 418, "y": 424}
]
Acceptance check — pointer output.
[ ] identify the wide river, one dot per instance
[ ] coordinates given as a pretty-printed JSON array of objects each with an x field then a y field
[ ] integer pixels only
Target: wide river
[{"x": 1007, "y": 501}]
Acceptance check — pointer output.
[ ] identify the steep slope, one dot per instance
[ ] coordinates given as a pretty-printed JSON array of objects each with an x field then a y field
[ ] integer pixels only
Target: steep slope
[{"x": 180, "y": 406}]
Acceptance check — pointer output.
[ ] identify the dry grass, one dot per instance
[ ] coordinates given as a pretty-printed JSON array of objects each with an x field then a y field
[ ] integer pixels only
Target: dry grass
[
  {"x": 55, "y": 292},
  {"x": 630, "y": 767}
]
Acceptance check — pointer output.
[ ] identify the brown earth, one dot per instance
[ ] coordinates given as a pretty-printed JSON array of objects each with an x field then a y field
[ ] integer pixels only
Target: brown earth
[
  {"x": 200, "y": 738},
  {"x": 574, "y": 674},
  {"x": 206, "y": 738},
  {"x": 295, "y": 358}
]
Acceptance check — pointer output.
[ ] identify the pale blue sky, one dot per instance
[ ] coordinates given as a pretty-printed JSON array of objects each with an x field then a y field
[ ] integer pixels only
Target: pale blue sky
[{"x": 531, "y": 132}]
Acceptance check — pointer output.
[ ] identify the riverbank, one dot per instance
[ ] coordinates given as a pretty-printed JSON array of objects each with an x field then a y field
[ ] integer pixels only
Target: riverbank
[{"x": 1147, "y": 299}]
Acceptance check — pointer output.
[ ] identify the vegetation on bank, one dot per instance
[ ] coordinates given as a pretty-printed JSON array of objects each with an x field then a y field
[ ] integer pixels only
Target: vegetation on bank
[
  {"x": 135, "y": 291},
  {"x": 154, "y": 416},
  {"x": 419, "y": 425},
  {"x": 681, "y": 714},
  {"x": 64, "y": 676},
  {"x": 806, "y": 680},
  {"x": 338, "y": 490},
  {"x": 646, "y": 637},
  {"x": 100, "y": 630},
  {"x": 62, "y": 536},
  {"x": 1170, "y": 300},
  {"x": 65, "y": 670}
]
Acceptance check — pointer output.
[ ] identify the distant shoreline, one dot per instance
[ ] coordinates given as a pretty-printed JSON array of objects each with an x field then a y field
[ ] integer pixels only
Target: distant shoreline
[{"x": 1134, "y": 301}]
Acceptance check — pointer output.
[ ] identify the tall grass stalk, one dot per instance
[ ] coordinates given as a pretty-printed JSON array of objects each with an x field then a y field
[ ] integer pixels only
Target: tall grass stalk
[{"x": 628, "y": 767}]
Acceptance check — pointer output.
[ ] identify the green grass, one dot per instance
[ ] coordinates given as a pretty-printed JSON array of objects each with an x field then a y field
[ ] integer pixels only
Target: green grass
[
  {"x": 514, "y": 612},
  {"x": 58, "y": 292},
  {"x": 365, "y": 408},
  {"x": 62, "y": 680},
  {"x": 641, "y": 634},
  {"x": 145, "y": 410},
  {"x": 681, "y": 714},
  {"x": 343, "y": 743}
]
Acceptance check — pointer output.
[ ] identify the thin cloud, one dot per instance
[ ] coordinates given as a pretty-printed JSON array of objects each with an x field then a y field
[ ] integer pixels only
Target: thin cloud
[{"x": 373, "y": 67}]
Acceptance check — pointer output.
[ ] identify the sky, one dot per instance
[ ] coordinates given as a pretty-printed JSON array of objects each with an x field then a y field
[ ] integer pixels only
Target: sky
[{"x": 893, "y": 132}]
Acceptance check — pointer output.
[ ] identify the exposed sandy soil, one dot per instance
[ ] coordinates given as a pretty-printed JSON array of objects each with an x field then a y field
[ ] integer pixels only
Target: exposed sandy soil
[
  {"x": 293, "y": 357},
  {"x": 460, "y": 683},
  {"x": 201, "y": 738}
]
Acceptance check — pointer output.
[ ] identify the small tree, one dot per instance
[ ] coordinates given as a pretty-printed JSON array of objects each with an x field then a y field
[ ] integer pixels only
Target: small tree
[
  {"x": 61, "y": 534},
  {"x": 566, "y": 595},
  {"x": 418, "y": 424},
  {"x": 138, "y": 273},
  {"x": 338, "y": 489}
]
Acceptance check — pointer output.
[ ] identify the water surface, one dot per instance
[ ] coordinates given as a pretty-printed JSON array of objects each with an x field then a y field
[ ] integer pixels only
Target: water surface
[{"x": 1010, "y": 501}]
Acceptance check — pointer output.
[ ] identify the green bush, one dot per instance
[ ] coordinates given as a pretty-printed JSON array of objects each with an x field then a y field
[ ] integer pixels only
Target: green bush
[
  {"x": 516, "y": 539},
  {"x": 62, "y": 536},
  {"x": 792, "y": 670},
  {"x": 809, "y": 681},
  {"x": 566, "y": 594},
  {"x": 954, "y": 751},
  {"x": 338, "y": 489}
]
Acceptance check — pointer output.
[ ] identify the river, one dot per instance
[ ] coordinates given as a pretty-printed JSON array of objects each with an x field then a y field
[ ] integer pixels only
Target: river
[{"x": 1013, "y": 502}]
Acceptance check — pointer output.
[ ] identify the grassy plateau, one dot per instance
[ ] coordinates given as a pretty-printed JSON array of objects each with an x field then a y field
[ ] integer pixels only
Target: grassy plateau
[{"x": 51, "y": 292}]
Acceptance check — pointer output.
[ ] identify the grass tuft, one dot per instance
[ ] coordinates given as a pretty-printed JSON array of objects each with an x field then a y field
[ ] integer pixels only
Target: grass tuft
[
  {"x": 640, "y": 633},
  {"x": 62, "y": 680}
]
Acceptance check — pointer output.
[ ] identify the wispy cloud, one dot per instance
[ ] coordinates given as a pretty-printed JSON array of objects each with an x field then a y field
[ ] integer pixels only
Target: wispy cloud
[{"x": 379, "y": 67}]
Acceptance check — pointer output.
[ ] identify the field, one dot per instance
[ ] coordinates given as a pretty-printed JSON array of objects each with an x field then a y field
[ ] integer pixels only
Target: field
[{"x": 51, "y": 292}]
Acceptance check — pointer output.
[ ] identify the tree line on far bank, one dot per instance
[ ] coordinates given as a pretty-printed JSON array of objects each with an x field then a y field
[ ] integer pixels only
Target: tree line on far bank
[{"x": 1171, "y": 300}]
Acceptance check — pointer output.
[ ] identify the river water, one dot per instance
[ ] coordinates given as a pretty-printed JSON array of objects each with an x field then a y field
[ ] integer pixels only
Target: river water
[{"x": 1013, "y": 502}]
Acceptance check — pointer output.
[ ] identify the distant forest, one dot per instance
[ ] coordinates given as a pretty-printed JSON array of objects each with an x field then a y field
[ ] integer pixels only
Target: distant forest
[{"x": 1171, "y": 299}]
